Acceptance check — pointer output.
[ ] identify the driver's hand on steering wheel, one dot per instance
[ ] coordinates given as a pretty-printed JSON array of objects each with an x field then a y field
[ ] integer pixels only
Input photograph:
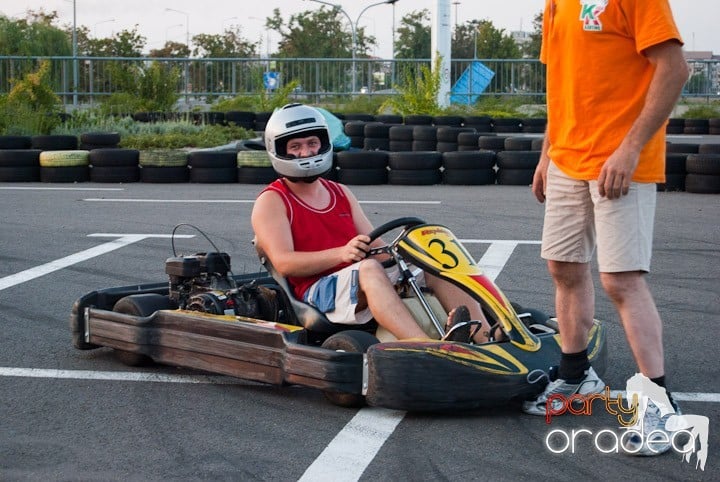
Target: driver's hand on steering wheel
[{"x": 356, "y": 249}]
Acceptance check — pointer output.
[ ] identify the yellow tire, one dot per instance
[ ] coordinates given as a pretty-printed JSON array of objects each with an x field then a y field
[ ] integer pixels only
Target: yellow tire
[{"x": 64, "y": 158}]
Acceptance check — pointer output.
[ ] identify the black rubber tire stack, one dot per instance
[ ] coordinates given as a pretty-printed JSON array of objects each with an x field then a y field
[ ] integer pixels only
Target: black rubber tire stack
[
  {"x": 114, "y": 165},
  {"x": 54, "y": 142},
  {"x": 243, "y": 119},
  {"x": 415, "y": 168},
  {"x": 254, "y": 167},
  {"x": 65, "y": 166},
  {"x": 401, "y": 138},
  {"x": 99, "y": 140},
  {"x": 714, "y": 127},
  {"x": 469, "y": 168},
  {"x": 424, "y": 138},
  {"x": 675, "y": 126},
  {"x": 509, "y": 124},
  {"x": 213, "y": 167},
  {"x": 163, "y": 166},
  {"x": 19, "y": 165},
  {"x": 534, "y": 125},
  {"x": 261, "y": 119},
  {"x": 492, "y": 143},
  {"x": 418, "y": 120},
  {"x": 448, "y": 120},
  {"x": 696, "y": 126},
  {"x": 480, "y": 123},
  {"x": 376, "y": 136},
  {"x": 674, "y": 172},
  {"x": 389, "y": 118},
  {"x": 516, "y": 143},
  {"x": 468, "y": 141},
  {"x": 516, "y": 168},
  {"x": 362, "y": 167},
  {"x": 703, "y": 173},
  {"x": 355, "y": 130},
  {"x": 447, "y": 137}
]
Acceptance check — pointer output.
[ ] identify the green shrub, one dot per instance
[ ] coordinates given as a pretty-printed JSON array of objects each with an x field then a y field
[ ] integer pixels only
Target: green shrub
[
  {"x": 31, "y": 107},
  {"x": 711, "y": 111}
]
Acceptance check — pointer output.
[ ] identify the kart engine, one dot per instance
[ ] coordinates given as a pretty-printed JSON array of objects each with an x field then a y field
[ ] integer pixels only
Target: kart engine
[{"x": 201, "y": 282}]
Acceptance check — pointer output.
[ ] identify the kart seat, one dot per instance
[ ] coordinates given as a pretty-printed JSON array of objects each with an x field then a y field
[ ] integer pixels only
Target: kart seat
[{"x": 304, "y": 315}]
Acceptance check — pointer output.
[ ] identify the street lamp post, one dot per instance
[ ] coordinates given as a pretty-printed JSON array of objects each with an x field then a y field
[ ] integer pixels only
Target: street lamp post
[
  {"x": 353, "y": 30},
  {"x": 75, "y": 53},
  {"x": 167, "y": 29},
  {"x": 187, "y": 24}
]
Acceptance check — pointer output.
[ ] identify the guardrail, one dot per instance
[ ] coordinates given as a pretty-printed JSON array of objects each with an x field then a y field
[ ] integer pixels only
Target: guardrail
[{"x": 205, "y": 79}]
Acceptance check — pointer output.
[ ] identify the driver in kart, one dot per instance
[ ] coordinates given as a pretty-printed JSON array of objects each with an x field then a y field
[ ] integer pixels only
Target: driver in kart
[{"x": 315, "y": 234}]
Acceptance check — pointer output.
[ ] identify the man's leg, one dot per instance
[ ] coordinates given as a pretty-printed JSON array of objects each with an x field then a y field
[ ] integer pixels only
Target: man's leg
[
  {"x": 384, "y": 303},
  {"x": 574, "y": 303},
  {"x": 643, "y": 327},
  {"x": 450, "y": 297}
]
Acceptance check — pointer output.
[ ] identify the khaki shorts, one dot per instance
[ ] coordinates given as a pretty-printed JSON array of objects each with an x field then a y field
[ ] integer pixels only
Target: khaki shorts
[
  {"x": 336, "y": 295},
  {"x": 577, "y": 219}
]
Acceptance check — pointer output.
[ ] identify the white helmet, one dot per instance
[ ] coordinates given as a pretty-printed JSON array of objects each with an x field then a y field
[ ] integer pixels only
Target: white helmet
[{"x": 292, "y": 121}]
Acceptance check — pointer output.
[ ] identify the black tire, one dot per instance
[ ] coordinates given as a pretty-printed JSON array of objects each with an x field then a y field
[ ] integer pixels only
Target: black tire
[
  {"x": 510, "y": 124},
  {"x": 708, "y": 164},
  {"x": 376, "y": 144},
  {"x": 709, "y": 149},
  {"x": 55, "y": 143},
  {"x": 162, "y": 175},
  {"x": 376, "y": 130},
  {"x": 20, "y": 174},
  {"x": 114, "y": 157},
  {"x": 518, "y": 159},
  {"x": 418, "y": 120},
  {"x": 362, "y": 177},
  {"x": 389, "y": 118},
  {"x": 213, "y": 175},
  {"x": 360, "y": 117},
  {"x": 675, "y": 163},
  {"x": 350, "y": 341},
  {"x": 425, "y": 133},
  {"x": 256, "y": 175},
  {"x": 448, "y": 120},
  {"x": 537, "y": 144},
  {"x": 424, "y": 146},
  {"x": 468, "y": 139},
  {"x": 415, "y": 160},
  {"x": 100, "y": 138},
  {"x": 477, "y": 120},
  {"x": 362, "y": 160},
  {"x": 450, "y": 134},
  {"x": 696, "y": 130},
  {"x": 212, "y": 159},
  {"x": 492, "y": 143},
  {"x": 355, "y": 128},
  {"x": 469, "y": 160},
  {"x": 115, "y": 174},
  {"x": 401, "y": 146},
  {"x": 357, "y": 141},
  {"x": 446, "y": 147},
  {"x": 468, "y": 177},
  {"x": 143, "y": 305},
  {"x": 515, "y": 177},
  {"x": 65, "y": 174},
  {"x": 240, "y": 118},
  {"x": 682, "y": 148},
  {"x": 702, "y": 184},
  {"x": 15, "y": 142},
  {"x": 673, "y": 182},
  {"x": 19, "y": 157},
  {"x": 518, "y": 144},
  {"x": 401, "y": 133},
  {"x": 415, "y": 177}
]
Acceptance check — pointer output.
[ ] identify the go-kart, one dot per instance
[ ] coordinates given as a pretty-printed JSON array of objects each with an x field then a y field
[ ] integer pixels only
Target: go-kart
[{"x": 251, "y": 327}]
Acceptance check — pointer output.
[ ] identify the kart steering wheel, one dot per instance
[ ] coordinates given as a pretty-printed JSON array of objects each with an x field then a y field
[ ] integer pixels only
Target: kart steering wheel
[{"x": 406, "y": 222}]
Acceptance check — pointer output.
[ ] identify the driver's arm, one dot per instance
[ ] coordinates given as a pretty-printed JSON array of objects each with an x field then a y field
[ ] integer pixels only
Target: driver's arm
[
  {"x": 272, "y": 232},
  {"x": 362, "y": 223}
]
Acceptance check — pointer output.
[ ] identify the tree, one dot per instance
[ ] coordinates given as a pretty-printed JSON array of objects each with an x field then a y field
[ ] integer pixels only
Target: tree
[
  {"x": 413, "y": 36},
  {"x": 532, "y": 48},
  {"x": 33, "y": 36},
  {"x": 171, "y": 49},
  {"x": 226, "y": 45}
]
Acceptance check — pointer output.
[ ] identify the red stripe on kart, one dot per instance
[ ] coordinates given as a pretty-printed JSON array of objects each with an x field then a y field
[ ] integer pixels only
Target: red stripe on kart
[{"x": 486, "y": 283}]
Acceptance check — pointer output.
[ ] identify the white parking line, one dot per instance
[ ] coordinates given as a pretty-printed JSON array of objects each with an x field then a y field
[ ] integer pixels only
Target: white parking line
[{"x": 37, "y": 271}]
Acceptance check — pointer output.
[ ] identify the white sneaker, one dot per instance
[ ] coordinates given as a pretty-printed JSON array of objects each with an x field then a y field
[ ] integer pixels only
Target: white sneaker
[
  {"x": 655, "y": 438},
  {"x": 590, "y": 384}
]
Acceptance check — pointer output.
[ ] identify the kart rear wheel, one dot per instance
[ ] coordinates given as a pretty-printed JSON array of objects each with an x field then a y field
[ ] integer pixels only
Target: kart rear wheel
[
  {"x": 352, "y": 341},
  {"x": 139, "y": 305}
]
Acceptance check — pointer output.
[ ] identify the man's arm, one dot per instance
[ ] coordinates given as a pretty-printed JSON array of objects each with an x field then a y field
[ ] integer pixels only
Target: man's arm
[
  {"x": 273, "y": 235},
  {"x": 671, "y": 73}
]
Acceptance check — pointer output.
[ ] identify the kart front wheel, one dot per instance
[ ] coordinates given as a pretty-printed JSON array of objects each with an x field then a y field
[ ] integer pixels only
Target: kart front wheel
[
  {"x": 139, "y": 305},
  {"x": 351, "y": 341}
]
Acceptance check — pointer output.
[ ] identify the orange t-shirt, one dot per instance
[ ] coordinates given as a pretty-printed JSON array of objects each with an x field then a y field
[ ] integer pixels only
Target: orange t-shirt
[{"x": 597, "y": 79}]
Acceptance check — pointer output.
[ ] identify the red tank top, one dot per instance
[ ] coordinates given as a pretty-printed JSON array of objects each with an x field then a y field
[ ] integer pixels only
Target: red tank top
[{"x": 316, "y": 229}]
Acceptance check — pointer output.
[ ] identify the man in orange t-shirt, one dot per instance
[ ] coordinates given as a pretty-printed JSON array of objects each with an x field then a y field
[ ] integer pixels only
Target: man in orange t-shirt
[{"x": 615, "y": 70}]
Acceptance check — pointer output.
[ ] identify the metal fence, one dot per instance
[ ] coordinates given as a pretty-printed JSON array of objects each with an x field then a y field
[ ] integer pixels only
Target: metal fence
[{"x": 87, "y": 80}]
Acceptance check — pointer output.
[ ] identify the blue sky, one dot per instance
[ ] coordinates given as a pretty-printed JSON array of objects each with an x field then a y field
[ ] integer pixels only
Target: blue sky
[{"x": 697, "y": 19}]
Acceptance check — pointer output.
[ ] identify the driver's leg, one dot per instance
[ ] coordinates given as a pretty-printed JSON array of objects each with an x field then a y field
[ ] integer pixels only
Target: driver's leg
[
  {"x": 385, "y": 305},
  {"x": 450, "y": 297}
]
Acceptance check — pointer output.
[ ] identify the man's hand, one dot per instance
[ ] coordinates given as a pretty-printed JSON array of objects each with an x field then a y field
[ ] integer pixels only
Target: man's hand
[
  {"x": 356, "y": 249},
  {"x": 616, "y": 174},
  {"x": 540, "y": 178}
]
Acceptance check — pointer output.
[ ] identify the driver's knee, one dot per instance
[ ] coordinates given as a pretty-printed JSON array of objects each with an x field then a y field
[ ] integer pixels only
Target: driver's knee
[{"x": 371, "y": 271}]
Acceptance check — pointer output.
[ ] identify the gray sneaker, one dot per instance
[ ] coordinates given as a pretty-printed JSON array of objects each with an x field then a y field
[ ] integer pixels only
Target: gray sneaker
[
  {"x": 655, "y": 439},
  {"x": 590, "y": 384}
]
